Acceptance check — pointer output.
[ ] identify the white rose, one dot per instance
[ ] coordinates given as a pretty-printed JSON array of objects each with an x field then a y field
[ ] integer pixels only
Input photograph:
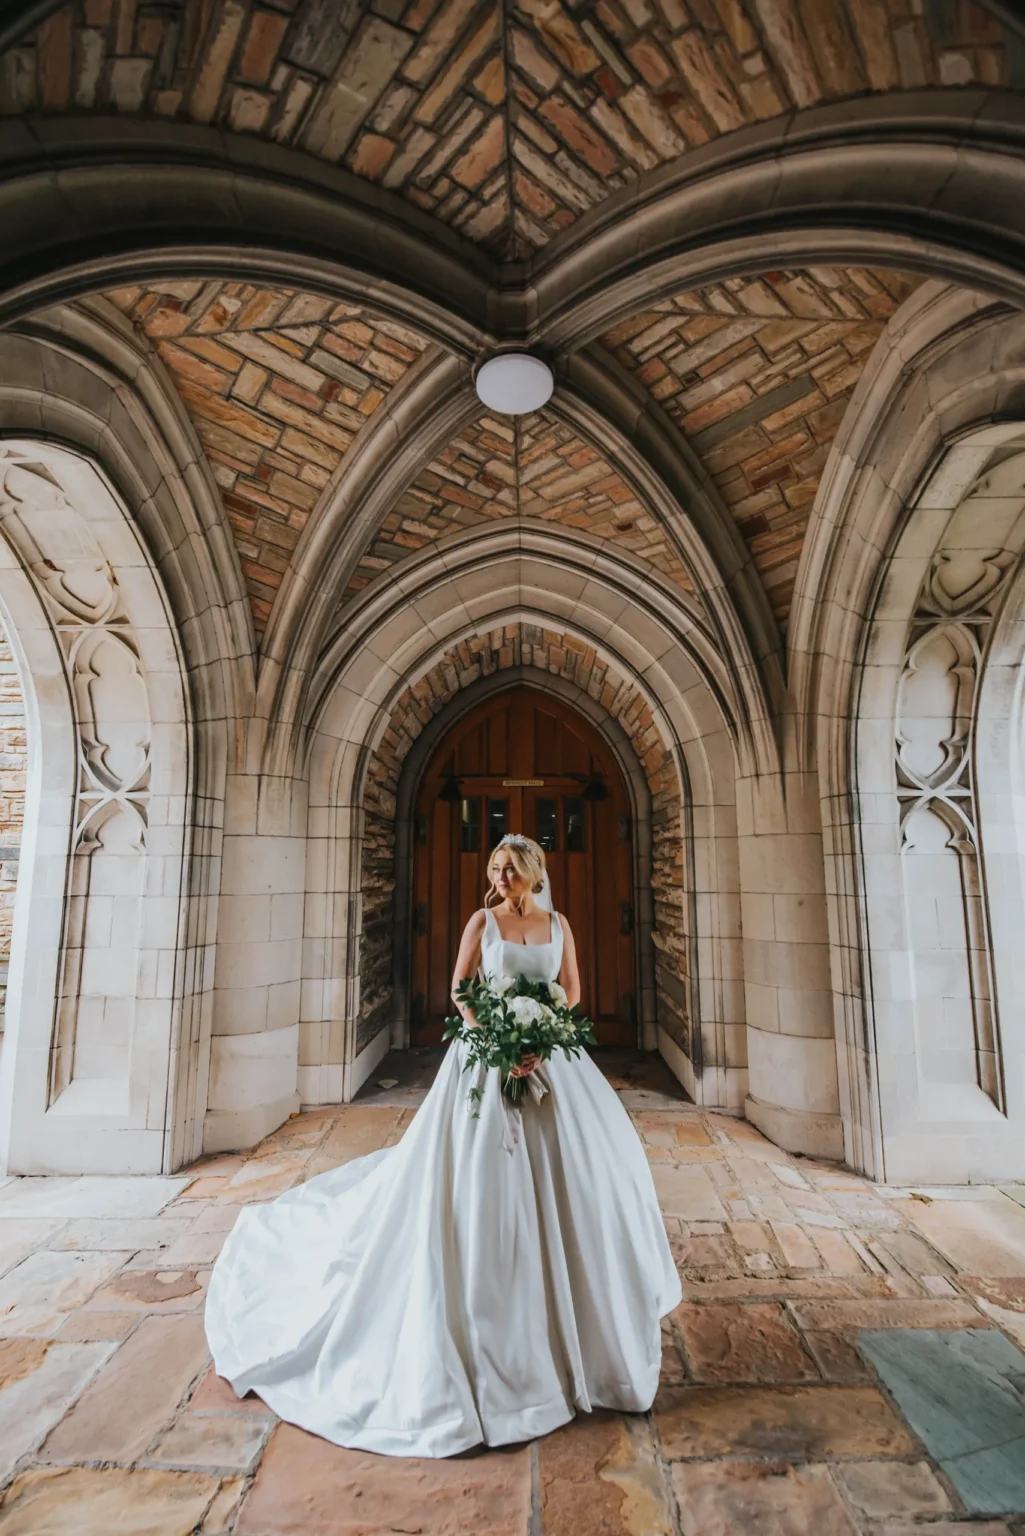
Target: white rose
[
  {"x": 558, "y": 993},
  {"x": 525, "y": 1011},
  {"x": 504, "y": 985}
]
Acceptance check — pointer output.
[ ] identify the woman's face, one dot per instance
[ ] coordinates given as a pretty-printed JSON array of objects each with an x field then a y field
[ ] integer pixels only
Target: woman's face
[{"x": 509, "y": 883}]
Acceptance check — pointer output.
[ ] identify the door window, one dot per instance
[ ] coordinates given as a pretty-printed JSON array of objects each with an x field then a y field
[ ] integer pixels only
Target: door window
[
  {"x": 469, "y": 830},
  {"x": 576, "y": 825},
  {"x": 498, "y": 821},
  {"x": 546, "y": 825}
]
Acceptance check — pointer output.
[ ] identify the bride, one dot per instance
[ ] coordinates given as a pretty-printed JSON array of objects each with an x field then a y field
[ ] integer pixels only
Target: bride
[{"x": 482, "y": 1280}]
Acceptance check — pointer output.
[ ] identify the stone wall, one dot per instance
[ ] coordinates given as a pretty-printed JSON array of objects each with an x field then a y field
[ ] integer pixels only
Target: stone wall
[
  {"x": 13, "y": 761},
  {"x": 550, "y": 653}
]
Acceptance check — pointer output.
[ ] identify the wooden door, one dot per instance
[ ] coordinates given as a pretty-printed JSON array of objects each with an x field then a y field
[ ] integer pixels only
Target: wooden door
[{"x": 525, "y": 762}]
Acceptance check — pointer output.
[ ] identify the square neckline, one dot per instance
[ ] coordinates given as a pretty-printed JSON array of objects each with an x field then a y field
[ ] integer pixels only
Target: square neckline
[{"x": 515, "y": 943}]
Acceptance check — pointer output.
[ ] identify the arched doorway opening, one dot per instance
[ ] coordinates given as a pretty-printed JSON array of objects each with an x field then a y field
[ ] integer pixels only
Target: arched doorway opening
[{"x": 525, "y": 761}]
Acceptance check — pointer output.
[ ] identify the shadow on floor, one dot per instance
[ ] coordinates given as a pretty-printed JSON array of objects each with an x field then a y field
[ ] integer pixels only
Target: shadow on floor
[{"x": 641, "y": 1078}]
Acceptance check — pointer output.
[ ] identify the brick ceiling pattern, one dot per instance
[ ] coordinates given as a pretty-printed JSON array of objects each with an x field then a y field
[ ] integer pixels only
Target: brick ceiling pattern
[
  {"x": 537, "y": 468},
  {"x": 757, "y": 373},
  {"x": 507, "y": 119},
  {"x": 277, "y": 384}
]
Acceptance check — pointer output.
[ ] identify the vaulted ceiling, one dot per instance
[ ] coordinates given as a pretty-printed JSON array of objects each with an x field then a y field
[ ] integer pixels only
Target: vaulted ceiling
[
  {"x": 755, "y": 372},
  {"x": 277, "y": 385},
  {"x": 505, "y": 119},
  {"x": 534, "y": 467}
]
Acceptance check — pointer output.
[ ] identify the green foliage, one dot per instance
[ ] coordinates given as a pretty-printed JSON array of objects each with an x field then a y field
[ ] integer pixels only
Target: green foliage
[{"x": 505, "y": 1027}]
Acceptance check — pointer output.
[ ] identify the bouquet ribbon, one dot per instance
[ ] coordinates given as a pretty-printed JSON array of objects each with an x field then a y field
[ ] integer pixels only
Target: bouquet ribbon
[{"x": 512, "y": 1118}]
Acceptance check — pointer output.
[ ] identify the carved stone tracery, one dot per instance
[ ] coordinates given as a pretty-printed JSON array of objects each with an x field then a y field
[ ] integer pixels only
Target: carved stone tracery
[
  {"x": 108, "y": 691},
  {"x": 945, "y": 652}
]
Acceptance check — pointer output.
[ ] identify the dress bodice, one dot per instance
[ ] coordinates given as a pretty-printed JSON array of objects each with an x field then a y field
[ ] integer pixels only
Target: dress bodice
[{"x": 501, "y": 957}]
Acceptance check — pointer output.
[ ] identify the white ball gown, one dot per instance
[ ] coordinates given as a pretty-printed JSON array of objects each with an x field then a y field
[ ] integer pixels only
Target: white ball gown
[{"x": 480, "y": 1281}]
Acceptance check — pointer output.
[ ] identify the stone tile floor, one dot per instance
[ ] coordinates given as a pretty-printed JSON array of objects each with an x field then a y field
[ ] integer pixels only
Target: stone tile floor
[{"x": 769, "y": 1419}]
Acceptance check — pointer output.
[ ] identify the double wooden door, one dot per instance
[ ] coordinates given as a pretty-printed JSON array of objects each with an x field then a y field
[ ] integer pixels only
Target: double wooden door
[{"x": 525, "y": 762}]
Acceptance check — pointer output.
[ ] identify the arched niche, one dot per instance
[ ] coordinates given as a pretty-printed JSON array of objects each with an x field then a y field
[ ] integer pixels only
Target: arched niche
[
  {"x": 95, "y": 992},
  {"x": 935, "y": 771},
  {"x": 356, "y": 718}
]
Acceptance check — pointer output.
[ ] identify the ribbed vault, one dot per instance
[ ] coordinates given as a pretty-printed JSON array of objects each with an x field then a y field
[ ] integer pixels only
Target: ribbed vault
[{"x": 503, "y": 121}]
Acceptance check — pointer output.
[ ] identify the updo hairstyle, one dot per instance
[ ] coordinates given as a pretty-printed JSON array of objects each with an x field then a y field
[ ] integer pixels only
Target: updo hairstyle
[{"x": 528, "y": 858}]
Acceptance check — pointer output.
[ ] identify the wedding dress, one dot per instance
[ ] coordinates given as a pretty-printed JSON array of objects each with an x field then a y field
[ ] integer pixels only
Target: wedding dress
[{"x": 480, "y": 1281}]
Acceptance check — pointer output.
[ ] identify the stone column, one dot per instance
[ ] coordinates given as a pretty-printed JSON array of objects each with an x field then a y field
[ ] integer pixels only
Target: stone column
[
  {"x": 255, "y": 1039},
  {"x": 793, "y": 1094}
]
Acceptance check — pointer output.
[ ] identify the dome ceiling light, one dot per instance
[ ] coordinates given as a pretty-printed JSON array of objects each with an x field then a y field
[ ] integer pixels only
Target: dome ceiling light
[{"x": 514, "y": 383}]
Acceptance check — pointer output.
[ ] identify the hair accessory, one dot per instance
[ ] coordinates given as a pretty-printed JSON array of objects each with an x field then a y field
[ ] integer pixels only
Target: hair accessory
[{"x": 514, "y": 840}]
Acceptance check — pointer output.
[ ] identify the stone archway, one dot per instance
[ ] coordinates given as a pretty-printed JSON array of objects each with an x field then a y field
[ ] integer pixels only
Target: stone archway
[
  {"x": 527, "y": 652},
  {"x": 95, "y": 990}
]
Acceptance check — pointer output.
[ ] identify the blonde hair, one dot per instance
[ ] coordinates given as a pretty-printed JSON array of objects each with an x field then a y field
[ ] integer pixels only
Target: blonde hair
[{"x": 527, "y": 857}]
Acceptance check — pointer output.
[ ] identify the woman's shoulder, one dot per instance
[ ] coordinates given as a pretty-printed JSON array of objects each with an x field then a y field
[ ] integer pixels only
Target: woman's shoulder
[{"x": 478, "y": 922}]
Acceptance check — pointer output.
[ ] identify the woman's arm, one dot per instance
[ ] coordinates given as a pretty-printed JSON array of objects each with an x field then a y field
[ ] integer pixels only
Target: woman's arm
[
  {"x": 468, "y": 959},
  {"x": 569, "y": 975}
]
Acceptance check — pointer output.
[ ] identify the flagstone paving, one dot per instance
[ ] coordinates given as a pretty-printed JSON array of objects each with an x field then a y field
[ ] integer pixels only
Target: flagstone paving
[{"x": 785, "y": 1367}]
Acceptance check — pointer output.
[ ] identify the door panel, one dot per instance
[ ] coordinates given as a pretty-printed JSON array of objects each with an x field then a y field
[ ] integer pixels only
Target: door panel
[{"x": 524, "y": 762}]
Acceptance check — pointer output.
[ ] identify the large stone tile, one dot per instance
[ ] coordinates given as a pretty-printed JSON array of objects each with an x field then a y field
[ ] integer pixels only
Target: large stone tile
[
  {"x": 264, "y": 1179},
  {"x": 730, "y": 1498},
  {"x": 34, "y": 1399},
  {"x": 91, "y": 1195},
  {"x": 836, "y": 1356},
  {"x": 37, "y": 1297},
  {"x": 89, "y": 1324},
  {"x": 964, "y": 1395},
  {"x": 600, "y": 1473},
  {"x": 927, "y": 1312},
  {"x": 978, "y": 1237},
  {"x": 228, "y": 1441},
  {"x": 687, "y": 1192},
  {"x": 79, "y": 1501},
  {"x": 219, "y": 1519},
  {"x": 22, "y": 1236},
  {"x": 948, "y": 1528},
  {"x": 880, "y": 1490},
  {"x": 135, "y": 1394},
  {"x": 745, "y": 1342},
  {"x": 190, "y": 1249},
  {"x": 789, "y": 1423},
  {"x": 113, "y": 1234},
  {"x": 306, "y": 1486}
]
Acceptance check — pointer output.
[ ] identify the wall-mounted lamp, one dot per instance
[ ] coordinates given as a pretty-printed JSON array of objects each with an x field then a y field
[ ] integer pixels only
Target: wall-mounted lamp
[{"x": 450, "y": 791}]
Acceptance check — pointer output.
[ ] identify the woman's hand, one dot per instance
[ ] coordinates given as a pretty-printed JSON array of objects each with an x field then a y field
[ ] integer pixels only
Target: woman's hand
[{"x": 526, "y": 1067}]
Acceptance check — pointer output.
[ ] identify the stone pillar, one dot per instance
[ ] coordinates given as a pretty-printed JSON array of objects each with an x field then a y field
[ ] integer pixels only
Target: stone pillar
[
  {"x": 257, "y": 976},
  {"x": 793, "y": 1094}
]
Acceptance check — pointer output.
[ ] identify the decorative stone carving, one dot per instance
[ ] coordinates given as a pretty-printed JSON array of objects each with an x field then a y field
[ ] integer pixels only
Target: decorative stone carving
[
  {"x": 944, "y": 886},
  {"x": 110, "y": 706}
]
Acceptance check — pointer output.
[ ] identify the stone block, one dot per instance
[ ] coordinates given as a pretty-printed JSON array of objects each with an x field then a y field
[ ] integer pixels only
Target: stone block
[
  {"x": 727, "y": 1498},
  {"x": 38, "y": 1384},
  {"x": 38, "y": 1296},
  {"x": 786, "y": 1423},
  {"x": 78, "y": 1501},
  {"x": 964, "y": 1395},
  {"x": 600, "y": 1473},
  {"x": 211, "y": 1440},
  {"x": 978, "y": 1237},
  {"x": 882, "y": 1489},
  {"x": 134, "y": 1395},
  {"x": 742, "y": 1343},
  {"x": 307, "y": 1487}
]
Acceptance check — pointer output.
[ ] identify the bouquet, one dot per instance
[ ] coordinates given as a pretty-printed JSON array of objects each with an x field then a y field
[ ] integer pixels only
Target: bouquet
[{"x": 516, "y": 1017}]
